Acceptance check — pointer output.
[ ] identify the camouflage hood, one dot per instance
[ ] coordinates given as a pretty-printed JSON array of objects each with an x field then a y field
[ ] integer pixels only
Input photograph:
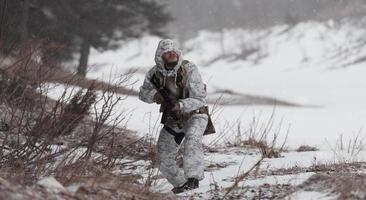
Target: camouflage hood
[{"x": 165, "y": 46}]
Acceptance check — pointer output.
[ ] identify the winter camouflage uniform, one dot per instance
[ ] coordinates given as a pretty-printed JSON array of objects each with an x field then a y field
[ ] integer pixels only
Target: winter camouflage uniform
[{"x": 194, "y": 127}]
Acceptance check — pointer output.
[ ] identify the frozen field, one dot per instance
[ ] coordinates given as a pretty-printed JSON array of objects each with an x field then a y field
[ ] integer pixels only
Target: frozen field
[
  {"x": 312, "y": 65},
  {"x": 300, "y": 65}
]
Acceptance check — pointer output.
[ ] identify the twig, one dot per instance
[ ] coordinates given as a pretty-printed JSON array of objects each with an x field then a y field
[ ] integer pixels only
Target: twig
[{"x": 242, "y": 177}]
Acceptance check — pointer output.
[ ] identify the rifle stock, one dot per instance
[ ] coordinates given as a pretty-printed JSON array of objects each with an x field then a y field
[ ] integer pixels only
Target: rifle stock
[{"x": 169, "y": 103}]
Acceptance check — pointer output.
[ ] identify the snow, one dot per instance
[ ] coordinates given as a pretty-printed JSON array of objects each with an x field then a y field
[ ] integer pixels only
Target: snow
[
  {"x": 51, "y": 183},
  {"x": 293, "y": 179},
  {"x": 301, "y": 64},
  {"x": 73, "y": 188},
  {"x": 311, "y": 64},
  {"x": 235, "y": 161},
  {"x": 311, "y": 195}
]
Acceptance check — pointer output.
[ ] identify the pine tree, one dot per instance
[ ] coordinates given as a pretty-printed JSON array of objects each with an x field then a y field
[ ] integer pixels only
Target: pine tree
[{"x": 81, "y": 24}]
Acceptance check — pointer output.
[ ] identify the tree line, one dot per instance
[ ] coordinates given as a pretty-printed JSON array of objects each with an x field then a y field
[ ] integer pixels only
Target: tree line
[
  {"x": 79, "y": 24},
  {"x": 193, "y": 16}
]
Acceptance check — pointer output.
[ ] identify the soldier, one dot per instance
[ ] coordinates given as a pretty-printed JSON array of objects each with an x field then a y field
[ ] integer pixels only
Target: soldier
[{"x": 177, "y": 86}]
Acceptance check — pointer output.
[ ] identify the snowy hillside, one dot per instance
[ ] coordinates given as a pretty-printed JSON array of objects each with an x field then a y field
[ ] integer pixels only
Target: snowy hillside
[
  {"x": 307, "y": 81},
  {"x": 312, "y": 64},
  {"x": 327, "y": 45},
  {"x": 285, "y": 95}
]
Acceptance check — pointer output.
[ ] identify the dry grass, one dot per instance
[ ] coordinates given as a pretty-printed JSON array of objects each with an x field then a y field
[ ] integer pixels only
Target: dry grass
[
  {"x": 259, "y": 134},
  {"x": 344, "y": 185},
  {"x": 349, "y": 150},
  {"x": 76, "y": 138},
  {"x": 31, "y": 66},
  {"x": 103, "y": 186}
]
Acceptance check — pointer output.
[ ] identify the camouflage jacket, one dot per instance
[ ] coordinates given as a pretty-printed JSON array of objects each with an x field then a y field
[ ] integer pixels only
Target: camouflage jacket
[{"x": 196, "y": 88}]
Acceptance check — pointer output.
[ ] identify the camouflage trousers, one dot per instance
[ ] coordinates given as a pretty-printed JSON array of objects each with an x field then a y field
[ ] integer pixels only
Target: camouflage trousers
[{"x": 193, "y": 161}]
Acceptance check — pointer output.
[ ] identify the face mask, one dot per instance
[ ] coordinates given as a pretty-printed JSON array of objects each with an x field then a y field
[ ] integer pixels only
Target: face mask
[
  {"x": 170, "y": 66},
  {"x": 170, "y": 59}
]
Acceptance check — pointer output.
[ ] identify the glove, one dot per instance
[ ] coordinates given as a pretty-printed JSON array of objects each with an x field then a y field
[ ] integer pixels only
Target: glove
[
  {"x": 176, "y": 108},
  {"x": 158, "y": 99},
  {"x": 174, "y": 114}
]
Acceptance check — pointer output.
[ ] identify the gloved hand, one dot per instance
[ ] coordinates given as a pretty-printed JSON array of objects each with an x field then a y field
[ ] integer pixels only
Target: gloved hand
[
  {"x": 174, "y": 114},
  {"x": 176, "y": 108},
  {"x": 158, "y": 99}
]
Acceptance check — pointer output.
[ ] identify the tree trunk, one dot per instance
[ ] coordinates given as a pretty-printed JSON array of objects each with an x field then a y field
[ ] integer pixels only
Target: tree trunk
[
  {"x": 24, "y": 23},
  {"x": 84, "y": 57}
]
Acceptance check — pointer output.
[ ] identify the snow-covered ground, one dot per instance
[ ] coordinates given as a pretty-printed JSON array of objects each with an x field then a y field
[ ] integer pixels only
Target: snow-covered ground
[
  {"x": 317, "y": 65},
  {"x": 309, "y": 64},
  {"x": 222, "y": 168}
]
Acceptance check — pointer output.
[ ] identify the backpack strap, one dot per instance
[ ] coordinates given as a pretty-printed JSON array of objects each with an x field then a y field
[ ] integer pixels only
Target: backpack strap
[
  {"x": 157, "y": 80},
  {"x": 183, "y": 77}
]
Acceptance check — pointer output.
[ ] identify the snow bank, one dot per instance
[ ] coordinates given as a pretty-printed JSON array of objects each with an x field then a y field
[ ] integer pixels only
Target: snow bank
[
  {"x": 51, "y": 183},
  {"x": 303, "y": 64}
]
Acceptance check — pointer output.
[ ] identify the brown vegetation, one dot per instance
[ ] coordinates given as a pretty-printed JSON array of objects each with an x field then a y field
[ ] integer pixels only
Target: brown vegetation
[
  {"x": 304, "y": 148},
  {"x": 75, "y": 138}
]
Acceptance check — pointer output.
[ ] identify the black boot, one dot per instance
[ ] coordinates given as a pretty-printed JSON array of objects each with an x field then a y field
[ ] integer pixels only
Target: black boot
[{"x": 191, "y": 184}]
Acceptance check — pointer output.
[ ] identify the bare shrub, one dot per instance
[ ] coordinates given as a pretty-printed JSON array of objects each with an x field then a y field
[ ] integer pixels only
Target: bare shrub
[
  {"x": 260, "y": 134},
  {"x": 75, "y": 135},
  {"x": 48, "y": 127},
  {"x": 348, "y": 150},
  {"x": 242, "y": 176}
]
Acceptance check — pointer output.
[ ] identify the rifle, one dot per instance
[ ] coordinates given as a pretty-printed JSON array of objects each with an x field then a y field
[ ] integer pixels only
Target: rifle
[{"x": 169, "y": 102}]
